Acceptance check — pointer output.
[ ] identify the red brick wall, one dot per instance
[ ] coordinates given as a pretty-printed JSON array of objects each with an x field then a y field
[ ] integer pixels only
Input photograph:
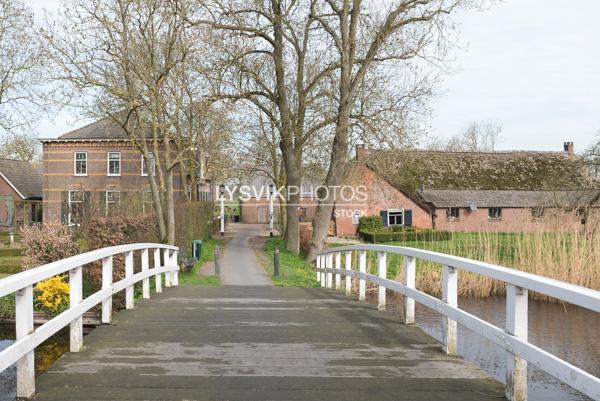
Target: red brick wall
[
  {"x": 59, "y": 172},
  {"x": 380, "y": 196},
  {"x": 515, "y": 220}
]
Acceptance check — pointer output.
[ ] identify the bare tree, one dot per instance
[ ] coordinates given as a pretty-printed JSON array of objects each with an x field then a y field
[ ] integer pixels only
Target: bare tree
[
  {"x": 20, "y": 146},
  {"x": 121, "y": 59},
  {"x": 369, "y": 36},
  {"x": 479, "y": 136},
  {"x": 21, "y": 62},
  {"x": 592, "y": 157}
]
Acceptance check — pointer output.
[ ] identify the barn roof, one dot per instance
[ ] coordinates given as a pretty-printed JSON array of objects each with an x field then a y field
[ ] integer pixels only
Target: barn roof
[
  {"x": 23, "y": 177},
  {"x": 410, "y": 170},
  {"x": 510, "y": 198}
]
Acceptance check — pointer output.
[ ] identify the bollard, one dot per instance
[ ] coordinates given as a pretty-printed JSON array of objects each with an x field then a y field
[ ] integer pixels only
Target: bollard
[
  {"x": 217, "y": 267},
  {"x": 276, "y": 263}
]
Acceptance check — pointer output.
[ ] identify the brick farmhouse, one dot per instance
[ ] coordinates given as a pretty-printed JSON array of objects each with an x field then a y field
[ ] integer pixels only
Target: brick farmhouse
[
  {"x": 510, "y": 191},
  {"x": 95, "y": 170}
]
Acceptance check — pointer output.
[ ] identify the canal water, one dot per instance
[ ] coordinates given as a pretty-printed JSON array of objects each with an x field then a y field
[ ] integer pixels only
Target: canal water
[{"x": 569, "y": 332}]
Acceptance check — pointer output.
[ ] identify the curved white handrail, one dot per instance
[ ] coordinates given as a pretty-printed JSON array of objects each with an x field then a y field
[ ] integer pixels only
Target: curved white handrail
[
  {"x": 21, "y": 351},
  {"x": 513, "y": 338}
]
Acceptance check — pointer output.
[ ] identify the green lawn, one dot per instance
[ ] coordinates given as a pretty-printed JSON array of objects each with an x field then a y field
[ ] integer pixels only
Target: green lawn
[
  {"x": 2, "y": 275},
  {"x": 207, "y": 254},
  {"x": 294, "y": 271}
]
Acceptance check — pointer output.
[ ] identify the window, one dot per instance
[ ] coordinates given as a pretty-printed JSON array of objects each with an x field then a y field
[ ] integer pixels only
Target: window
[
  {"x": 112, "y": 201},
  {"x": 495, "y": 213},
  {"x": 537, "y": 212},
  {"x": 75, "y": 215},
  {"x": 147, "y": 202},
  {"x": 80, "y": 161},
  {"x": 114, "y": 163},
  {"x": 152, "y": 167},
  {"x": 452, "y": 213},
  {"x": 355, "y": 217},
  {"x": 395, "y": 217}
]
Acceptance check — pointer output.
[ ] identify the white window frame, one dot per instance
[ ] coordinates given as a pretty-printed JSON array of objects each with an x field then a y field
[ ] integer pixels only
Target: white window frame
[
  {"x": 108, "y": 160},
  {"x": 143, "y": 164},
  {"x": 75, "y": 173},
  {"x": 389, "y": 211},
  {"x": 356, "y": 217},
  {"x": 106, "y": 202},
  {"x": 82, "y": 201}
]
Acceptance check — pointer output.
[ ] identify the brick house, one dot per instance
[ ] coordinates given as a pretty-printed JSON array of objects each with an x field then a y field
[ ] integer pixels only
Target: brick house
[
  {"x": 20, "y": 193},
  {"x": 95, "y": 170},
  {"x": 470, "y": 191}
]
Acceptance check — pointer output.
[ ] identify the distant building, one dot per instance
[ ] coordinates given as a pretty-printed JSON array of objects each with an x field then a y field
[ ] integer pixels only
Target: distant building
[
  {"x": 96, "y": 170},
  {"x": 470, "y": 191},
  {"x": 20, "y": 193}
]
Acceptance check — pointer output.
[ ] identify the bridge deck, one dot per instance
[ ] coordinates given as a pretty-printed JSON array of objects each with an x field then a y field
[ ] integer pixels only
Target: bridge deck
[{"x": 260, "y": 343}]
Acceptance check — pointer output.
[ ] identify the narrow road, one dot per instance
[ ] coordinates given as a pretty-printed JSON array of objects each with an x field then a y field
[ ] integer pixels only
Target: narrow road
[{"x": 238, "y": 264}]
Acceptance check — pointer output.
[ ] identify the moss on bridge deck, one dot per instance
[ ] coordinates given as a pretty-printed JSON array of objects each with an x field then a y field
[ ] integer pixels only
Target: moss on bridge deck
[{"x": 261, "y": 343}]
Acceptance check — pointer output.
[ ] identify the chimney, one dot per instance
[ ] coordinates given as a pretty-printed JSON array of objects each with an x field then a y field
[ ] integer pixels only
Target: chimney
[
  {"x": 360, "y": 153},
  {"x": 569, "y": 148}
]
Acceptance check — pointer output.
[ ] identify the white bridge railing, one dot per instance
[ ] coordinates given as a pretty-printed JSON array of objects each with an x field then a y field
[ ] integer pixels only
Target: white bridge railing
[
  {"x": 21, "y": 284},
  {"x": 512, "y": 338}
]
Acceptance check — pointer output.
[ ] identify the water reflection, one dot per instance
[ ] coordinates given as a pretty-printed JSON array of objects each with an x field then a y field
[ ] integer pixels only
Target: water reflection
[
  {"x": 45, "y": 355},
  {"x": 569, "y": 332}
]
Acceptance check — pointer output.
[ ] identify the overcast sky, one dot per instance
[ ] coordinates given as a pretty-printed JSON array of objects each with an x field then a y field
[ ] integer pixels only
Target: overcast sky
[{"x": 532, "y": 65}]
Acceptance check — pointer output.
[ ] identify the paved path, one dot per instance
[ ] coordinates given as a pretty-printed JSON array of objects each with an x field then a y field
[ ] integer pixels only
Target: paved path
[
  {"x": 261, "y": 343},
  {"x": 238, "y": 264}
]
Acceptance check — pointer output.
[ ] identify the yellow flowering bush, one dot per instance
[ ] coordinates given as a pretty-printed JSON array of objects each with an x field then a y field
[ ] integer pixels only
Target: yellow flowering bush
[{"x": 52, "y": 295}]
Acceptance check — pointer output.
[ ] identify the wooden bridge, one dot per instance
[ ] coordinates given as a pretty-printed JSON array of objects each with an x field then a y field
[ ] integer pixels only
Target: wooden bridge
[{"x": 267, "y": 343}]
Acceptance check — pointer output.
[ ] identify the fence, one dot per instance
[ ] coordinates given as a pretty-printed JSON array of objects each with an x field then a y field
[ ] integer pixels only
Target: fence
[
  {"x": 512, "y": 338},
  {"x": 21, "y": 284}
]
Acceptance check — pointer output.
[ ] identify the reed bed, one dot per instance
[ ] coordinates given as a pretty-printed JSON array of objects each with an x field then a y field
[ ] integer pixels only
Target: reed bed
[{"x": 567, "y": 254}]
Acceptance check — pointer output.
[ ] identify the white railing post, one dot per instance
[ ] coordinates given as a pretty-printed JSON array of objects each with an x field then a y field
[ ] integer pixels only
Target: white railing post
[
  {"x": 348, "y": 268},
  {"x": 167, "y": 258},
  {"x": 176, "y": 272},
  {"x": 323, "y": 266},
  {"x": 338, "y": 268},
  {"x": 146, "y": 281},
  {"x": 129, "y": 294},
  {"x": 318, "y": 264},
  {"x": 516, "y": 325},
  {"x": 24, "y": 327},
  {"x": 75, "y": 297},
  {"x": 362, "y": 267},
  {"x": 382, "y": 273},
  {"x": 449, "y": 296},
  {"x": 107, "y": 278},
  {"x": 410, "y": 272},
  {"x": 329, "y": 274},
  {"x": 157, "y": 276}
]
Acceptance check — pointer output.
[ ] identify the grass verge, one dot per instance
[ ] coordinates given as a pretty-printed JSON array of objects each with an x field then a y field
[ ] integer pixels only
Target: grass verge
[
  {"x": 294, "y": 271},
  {"x": 207, "y": 255}
]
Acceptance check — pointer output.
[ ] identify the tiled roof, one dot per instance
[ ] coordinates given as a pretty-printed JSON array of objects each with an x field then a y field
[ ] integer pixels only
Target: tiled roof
[
  {"x": 410, "y": 170},
  {"x": 510, "y": 198},
  {"x": 105, "y": 128},
  {"x": 26, "y": 178}
]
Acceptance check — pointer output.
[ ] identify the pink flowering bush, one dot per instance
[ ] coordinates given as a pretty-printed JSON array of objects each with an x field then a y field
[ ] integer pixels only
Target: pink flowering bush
[{"x": 47, "y": 243}]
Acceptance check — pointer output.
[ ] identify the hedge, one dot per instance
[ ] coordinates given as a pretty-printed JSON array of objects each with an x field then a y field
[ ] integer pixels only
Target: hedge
[{"x": 376, "y": 237}]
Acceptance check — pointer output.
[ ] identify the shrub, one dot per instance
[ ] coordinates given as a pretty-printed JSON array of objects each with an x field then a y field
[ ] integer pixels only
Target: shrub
[
  {"x": 102, "y": 232},
  {"x": 47, "y": 243},
  {"x": 376, "y": 237},
  {"x": 370, "y": 223},
  {"x": 7, "y": 307},
  {"x": 193, "y": 221},
  {"x": 52, "y": 295}
]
